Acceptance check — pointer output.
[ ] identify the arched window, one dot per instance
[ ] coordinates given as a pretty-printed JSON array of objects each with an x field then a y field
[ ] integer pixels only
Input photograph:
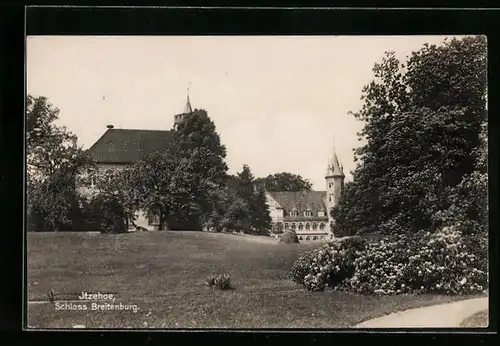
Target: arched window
[
  {"x": 286, "y": 225},
  {"x": 300, "y": 238},
  {"x": 315, "y": 238},
  {"x": 314, "y": 225},
  {"x": 308, "y": 226},
  {"x": 279, "y": 226},
  {"x": 301, "y": 226},
  {"x": 294, "y": 226},
  {"x": 321, "y": 225},
  {"x": 308, "y": 238}
]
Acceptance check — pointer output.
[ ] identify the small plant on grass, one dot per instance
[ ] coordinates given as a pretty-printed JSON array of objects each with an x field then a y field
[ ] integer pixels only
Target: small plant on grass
[
  {"x": 52, "y": 295},
  {"x": 221, "y": 281}
]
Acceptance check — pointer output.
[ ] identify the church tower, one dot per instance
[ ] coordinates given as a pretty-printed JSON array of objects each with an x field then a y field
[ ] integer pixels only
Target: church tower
[
  {"x": 334, "y": 183},
  {"x": 187, "y": 110}
]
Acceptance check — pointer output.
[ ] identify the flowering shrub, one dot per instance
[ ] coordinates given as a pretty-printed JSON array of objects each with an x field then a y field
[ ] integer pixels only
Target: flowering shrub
[
  {"x": 445, "y": 262},
  {"x": 440, "y": 262},
  {"x": 328, "y": 265}
]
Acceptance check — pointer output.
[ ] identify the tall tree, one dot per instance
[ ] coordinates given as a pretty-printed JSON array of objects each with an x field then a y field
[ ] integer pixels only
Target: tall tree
[
  {"x": 197, "y": 144},
  {"x": 245, "y": 190},
  {"x": 258, "y": 219},
  {"x": 53, "y": 162},
  {"x": 423, "y": 123},
  {"x": 261, "y": 219},
  {"x": 284, "y": 181}
]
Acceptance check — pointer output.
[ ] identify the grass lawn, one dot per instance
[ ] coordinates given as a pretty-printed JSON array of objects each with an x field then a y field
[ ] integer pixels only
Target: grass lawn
[
  {"x": 163, "y": 273},
  {"x": 478, "y": 320}
]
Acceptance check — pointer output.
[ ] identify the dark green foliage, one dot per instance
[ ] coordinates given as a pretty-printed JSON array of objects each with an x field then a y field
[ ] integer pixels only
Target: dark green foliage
[
  {"x": 261, "y": 219},
  {"x": 258, "y": 220},
  {"x": 53, "y": 163},
  {"x": 283, "y": 182},
  {"x": 423, "y": 164}
]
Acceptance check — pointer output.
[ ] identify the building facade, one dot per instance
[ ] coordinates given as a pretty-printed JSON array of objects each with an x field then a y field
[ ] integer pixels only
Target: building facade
[
  {"x": 117, "y": 148},
  {"x": 308, "y": 213}
]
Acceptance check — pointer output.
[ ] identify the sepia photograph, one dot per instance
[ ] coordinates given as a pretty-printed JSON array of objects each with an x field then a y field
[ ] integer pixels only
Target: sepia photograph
[{"x": 256, "y": 182}]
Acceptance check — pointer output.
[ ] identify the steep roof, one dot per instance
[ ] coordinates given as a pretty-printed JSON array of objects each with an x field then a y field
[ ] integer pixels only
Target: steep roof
[
  {"x": 334, "y": 169},
  {"x": 188, "y": 109},
  {"x": 124, "y": 146},
  {"x": 300, "y": 200}
]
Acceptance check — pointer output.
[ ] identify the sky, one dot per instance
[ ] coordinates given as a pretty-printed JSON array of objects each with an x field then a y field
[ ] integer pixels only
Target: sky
[{"x": 279, "y": 103}]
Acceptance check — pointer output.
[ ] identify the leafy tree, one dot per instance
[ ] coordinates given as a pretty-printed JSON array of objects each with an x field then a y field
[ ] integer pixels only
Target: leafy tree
[
  {"x": 229, "y": 211},
  {"x": 53, "y": 163},
  {"x": 245, "y": 190},
  {"x": 423, "y": 125},
  {"x": 261, "y": 219},
  {"x": 197, "y": 146},
  {"x": 284, "y": 182},
  {"x": 258, "y": 219}
]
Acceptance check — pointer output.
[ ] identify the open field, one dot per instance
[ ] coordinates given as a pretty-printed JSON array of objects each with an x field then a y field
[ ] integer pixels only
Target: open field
[{"x": 163, "y": 273}]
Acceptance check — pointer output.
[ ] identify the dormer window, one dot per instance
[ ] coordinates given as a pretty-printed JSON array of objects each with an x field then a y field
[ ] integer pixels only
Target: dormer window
[
  {"x": 308, "y": 213},
  {"x": 321, "y": 213},
  {"x": 294, "y": 212},
  {"x": 111, "y": 146}
]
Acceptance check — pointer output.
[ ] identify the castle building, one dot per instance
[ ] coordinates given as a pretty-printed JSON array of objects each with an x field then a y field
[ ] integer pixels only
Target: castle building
[
  {"x": 117, "y": 148},
  {"x": 308, "y": 212}
]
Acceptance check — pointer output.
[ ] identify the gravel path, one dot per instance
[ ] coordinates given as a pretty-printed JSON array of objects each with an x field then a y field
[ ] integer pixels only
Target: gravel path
[{"x": 438, "y": 316}]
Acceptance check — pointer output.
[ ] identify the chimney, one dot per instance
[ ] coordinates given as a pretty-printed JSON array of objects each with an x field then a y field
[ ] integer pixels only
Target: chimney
[{"x": 109, "y": 126}]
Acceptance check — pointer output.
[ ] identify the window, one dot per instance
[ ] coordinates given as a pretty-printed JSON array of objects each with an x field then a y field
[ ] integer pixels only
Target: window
[
  {"x": 294, "y": 213},
  {"x": 321, "y": 213},
  {"x": 308, "y": 213},
  {"x": 111, "y": 146},
  {"x": 308, "y": 238},
  {"x": 301, "y": 226},
  {"x": 321, "y": 225},
  {"x": 286, "y": 225},
  {"x": 294, "y": 226},
  {"x": 314, "y": 225},
  {"x": 124, "y": 146},
  {"x": 308, "y": 226},
  {"x": 330, "y": 185},
  {"x": 315, "y": 238},
  {"x": 300, "y": 238}
]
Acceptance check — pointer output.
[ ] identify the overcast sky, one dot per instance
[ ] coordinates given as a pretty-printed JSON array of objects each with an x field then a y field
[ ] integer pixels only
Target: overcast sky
[{"x": 279, "y": 103}]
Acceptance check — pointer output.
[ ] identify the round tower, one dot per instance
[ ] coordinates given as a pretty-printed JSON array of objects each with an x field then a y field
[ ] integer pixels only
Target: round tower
[{"x": 334, "y": 184}]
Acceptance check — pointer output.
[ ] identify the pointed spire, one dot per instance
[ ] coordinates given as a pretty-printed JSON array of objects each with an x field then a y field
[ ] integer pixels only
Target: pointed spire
[
  {"x": 188, "y": 108},
  {"x": 334, "y": 166}
]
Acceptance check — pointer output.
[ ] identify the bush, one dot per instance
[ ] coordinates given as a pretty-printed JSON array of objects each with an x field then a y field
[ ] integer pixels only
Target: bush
[
  {"x": 424, "y": 263},
  {"x": 328, "y": 265},
  {"x": 445, "y": 262},
  {"x": 221, "y": 281},
  {"x": 289, "y": 237}
]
